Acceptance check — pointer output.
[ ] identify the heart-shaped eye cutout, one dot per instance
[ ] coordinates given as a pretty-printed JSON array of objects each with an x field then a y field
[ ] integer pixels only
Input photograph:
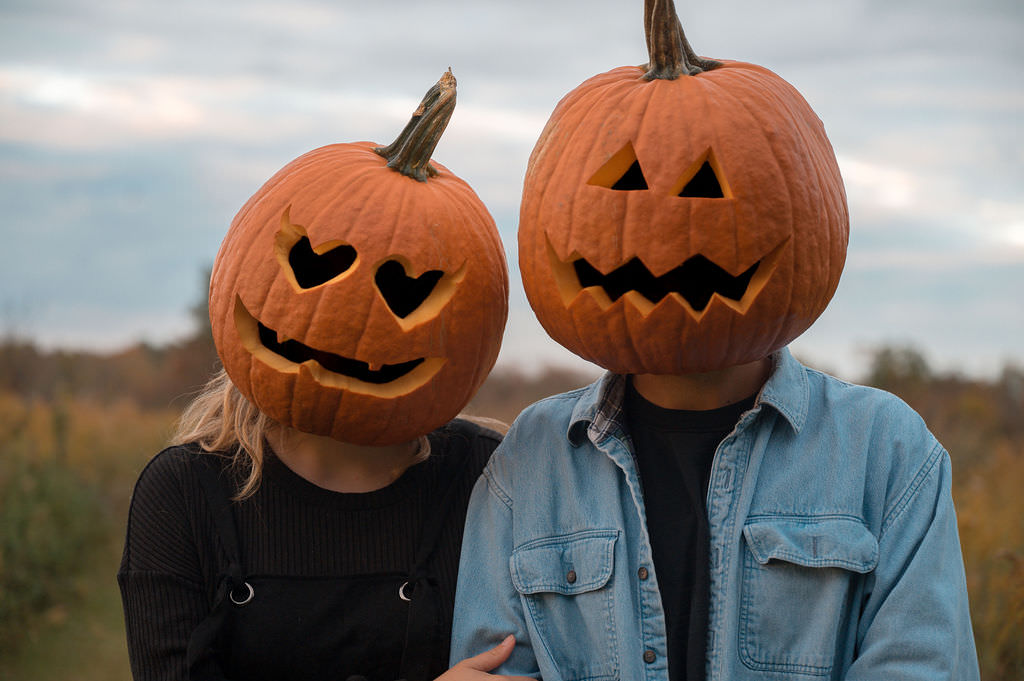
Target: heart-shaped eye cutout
[
  {"x": 403, "y": 293},
  {"x": 312, "y": 269}
]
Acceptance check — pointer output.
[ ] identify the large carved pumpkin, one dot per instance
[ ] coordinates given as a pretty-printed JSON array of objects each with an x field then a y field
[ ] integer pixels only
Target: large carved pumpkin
[
  {"x": 361, "y": 293},
  {"x": 683, "y": 217}
]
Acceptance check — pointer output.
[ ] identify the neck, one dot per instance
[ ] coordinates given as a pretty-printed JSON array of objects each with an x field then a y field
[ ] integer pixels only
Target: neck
[
  {"x": 700, "y": 392},
  {"x": 341, "y": 466}
]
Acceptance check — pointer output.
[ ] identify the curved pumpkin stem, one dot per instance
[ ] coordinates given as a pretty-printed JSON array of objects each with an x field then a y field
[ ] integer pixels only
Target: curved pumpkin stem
[
  {"x": 410, "y": 153},
  {"x": 670, "y": 52}
]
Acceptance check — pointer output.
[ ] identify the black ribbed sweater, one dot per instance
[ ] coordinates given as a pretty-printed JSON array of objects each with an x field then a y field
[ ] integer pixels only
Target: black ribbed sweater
[{"x": 172, "y": 558}]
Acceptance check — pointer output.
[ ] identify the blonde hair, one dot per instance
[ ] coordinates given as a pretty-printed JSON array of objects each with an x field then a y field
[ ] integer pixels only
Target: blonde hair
[{"x": 221, "y": 420}]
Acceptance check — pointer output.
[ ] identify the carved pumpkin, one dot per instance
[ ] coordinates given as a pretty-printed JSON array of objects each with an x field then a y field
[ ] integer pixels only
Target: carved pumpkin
[
  {"x": 681, "y": 218},
  {"x": 362, "y": 292}
]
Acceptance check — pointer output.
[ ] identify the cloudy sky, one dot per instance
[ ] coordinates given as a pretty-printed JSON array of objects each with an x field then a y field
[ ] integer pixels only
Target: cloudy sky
[{"x": 131, "y": 131}]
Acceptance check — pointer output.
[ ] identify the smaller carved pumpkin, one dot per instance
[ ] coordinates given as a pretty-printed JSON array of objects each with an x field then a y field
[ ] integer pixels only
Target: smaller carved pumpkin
[
  {"x": 683, "y": 217},
  {"x": 362, "y": 292}
]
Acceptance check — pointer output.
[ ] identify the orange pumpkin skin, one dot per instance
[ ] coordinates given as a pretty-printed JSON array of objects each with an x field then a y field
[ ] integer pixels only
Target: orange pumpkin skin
[
  {"x": 345, "y": 194},
  {"x": 783, "y": 206}
]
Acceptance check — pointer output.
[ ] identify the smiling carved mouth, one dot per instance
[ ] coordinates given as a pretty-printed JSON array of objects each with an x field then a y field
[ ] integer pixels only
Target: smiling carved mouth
[
  {"x": 300, "y": 353},
  {"x": 694, "y": 284},
  {"x": 288, "y": 355}
]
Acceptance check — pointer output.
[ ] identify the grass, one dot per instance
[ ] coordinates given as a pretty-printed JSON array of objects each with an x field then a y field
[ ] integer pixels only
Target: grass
[
  {"x": 990, "y": 511},
  {"x": 82, "y": 637},
  {"x": 66, "y": 474}
]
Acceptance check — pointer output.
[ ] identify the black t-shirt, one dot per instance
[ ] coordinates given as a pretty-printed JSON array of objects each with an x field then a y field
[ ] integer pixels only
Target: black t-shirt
[{"x": 674, "y": 451}]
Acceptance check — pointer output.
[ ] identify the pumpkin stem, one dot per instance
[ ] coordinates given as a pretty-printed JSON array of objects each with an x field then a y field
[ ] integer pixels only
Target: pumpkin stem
[
  {"x": 670, "y": 52},
  {"x": 410, "y": 153}
]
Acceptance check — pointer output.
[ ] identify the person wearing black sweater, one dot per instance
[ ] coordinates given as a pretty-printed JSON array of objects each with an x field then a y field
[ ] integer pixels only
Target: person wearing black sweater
[
  {"x": 307, "y": 521},
  {"x": 304, "y": 577}
]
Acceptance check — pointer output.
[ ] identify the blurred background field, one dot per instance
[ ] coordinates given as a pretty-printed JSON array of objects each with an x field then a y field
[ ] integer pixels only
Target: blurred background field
[{"x": 76, "y": 429}]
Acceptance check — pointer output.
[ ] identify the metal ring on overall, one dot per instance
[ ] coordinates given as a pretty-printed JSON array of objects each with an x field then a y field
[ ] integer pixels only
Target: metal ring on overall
[
  {"x": 401, "y": 592},
  {"x": 248, "y": 597}
]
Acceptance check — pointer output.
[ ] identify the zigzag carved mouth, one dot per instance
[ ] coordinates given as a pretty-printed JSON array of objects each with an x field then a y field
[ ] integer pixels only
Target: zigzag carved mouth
[
  {"x": 696, "y": 280},
  {"x": 327, "y": 368},
  {"x": 694, "y": 284}
]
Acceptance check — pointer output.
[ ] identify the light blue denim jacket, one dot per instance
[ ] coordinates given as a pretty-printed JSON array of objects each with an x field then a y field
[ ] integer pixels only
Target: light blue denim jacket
[{"x": 834, "y": 547}]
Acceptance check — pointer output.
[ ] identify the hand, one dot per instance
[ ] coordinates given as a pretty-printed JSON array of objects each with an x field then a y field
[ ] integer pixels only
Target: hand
[{"x": 475, "y": 668}]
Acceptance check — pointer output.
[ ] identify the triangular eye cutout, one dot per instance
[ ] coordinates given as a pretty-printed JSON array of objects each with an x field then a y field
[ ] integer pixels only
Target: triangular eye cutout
[
  {"x": 703, "y": 180},
  {"x": 704, "y": 184},
  {"x": 632, "y": 180},
  {"x": 621, "y": 172}
]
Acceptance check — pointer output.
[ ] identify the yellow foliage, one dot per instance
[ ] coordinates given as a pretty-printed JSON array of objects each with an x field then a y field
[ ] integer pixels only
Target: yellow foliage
[
  {"x": 990, "y": 511},
  {"x": 105, "y": 445}
]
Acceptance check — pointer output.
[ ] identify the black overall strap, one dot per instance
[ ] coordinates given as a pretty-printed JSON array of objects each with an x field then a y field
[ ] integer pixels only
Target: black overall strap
[
  {"x": 231, "y": 584},
  {"x": 421, "y": 589}
]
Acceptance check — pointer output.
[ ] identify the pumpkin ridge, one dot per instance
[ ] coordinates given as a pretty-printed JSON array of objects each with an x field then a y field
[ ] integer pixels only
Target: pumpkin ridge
[
  {"x": 597, "y": 85},
  {"x": 374, "y": 312},
  {"x": 641, "y": 121},
  {"x": 759, "y": 124},
  {"x": 479, "y": 363},
  {"x": 568, "y": 105},
  {"x": 783, "y": 101},
  {"x": 543, "y": 196},
  {"x": 491, "y": 236},
  {"x": 368, "y": 210},
  {"x": 778, "y": 328},
  {"x": 583, "y": 172},
  {"x": 833, "y": 202},
  {"x": 355, "y": 182},
  {"x": 455, "y": 189},
  {"x": 807, "y": 132}
]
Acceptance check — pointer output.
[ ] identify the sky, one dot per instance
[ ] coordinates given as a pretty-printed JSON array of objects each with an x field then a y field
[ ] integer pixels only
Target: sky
[{"x": 131, "y": 131}]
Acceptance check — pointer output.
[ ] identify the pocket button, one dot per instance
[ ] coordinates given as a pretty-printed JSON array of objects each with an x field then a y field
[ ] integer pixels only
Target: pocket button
[{"x": 571, "y": 577}]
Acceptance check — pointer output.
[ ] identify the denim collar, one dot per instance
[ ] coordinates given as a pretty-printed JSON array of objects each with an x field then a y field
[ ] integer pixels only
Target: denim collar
[{"x": 598, "y": 412}]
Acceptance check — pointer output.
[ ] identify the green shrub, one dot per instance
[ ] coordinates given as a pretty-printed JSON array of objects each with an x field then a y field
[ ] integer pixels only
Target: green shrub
[{"x": 49, "y": 518}]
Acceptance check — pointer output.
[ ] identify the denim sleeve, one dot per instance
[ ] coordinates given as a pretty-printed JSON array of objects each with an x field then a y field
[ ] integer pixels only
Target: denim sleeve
[
  {"x": 487, "y": 606},
  {"x": 915, "y": 621}
]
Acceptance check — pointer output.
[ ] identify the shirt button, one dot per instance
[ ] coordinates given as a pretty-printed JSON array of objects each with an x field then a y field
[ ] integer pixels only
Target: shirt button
[
  {"x": 571, "y": 577},
  {"x": 642, "y": 573},
  {"x": 649, "y": 656}
]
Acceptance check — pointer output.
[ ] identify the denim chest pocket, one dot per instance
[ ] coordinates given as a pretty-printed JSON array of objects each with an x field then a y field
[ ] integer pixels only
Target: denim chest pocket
[
  {"x": 565, "y": 584},
  {"x": 799, "y": 579}
]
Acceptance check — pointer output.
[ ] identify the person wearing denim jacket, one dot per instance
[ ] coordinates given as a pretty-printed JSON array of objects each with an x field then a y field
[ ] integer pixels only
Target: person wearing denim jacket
[
  {"x": 834, "y": 547},
  {"x": 710, "y": 509}
]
